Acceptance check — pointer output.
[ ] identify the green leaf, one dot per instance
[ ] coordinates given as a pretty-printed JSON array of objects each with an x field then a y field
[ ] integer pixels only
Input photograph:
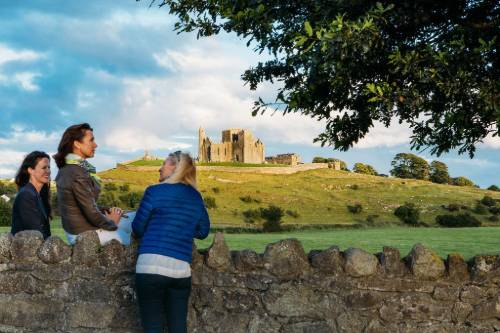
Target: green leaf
[{"x": 308, "y": 28}]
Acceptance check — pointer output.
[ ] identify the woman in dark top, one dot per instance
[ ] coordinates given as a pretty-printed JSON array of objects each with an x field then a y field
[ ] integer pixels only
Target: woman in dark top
[{"x": 31, "y": 210}]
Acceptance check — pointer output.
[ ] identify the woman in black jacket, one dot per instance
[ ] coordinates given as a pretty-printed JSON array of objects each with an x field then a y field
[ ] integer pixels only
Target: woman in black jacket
[{"x": 31, "y": 210}]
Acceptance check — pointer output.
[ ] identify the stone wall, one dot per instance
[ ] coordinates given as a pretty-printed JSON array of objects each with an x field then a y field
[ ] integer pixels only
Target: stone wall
[{"x": 47, "y": 286}]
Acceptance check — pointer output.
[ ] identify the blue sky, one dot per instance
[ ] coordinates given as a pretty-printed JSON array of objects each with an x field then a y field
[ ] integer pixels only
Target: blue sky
[{"x": 119, "y": 66}]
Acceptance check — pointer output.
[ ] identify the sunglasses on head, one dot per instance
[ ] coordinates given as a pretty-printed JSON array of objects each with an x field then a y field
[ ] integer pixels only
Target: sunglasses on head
[{"x": 177, "y": 154}]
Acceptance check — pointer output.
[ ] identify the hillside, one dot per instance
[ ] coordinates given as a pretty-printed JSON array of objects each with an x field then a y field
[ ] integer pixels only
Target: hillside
[{"x": 317, "y": 196}]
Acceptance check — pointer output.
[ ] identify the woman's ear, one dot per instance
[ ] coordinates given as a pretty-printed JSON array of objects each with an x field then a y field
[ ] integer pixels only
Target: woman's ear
[
  {"x": 76, "y": 145},
  {"x": 30, "y": 171}
]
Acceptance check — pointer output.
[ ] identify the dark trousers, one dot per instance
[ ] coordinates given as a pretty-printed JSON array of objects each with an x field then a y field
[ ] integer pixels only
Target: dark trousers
[{"x": 161, "y": 299}]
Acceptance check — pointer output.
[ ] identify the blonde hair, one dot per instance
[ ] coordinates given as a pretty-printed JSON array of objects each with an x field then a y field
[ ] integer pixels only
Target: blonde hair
[{"x": 185, "y": 171}]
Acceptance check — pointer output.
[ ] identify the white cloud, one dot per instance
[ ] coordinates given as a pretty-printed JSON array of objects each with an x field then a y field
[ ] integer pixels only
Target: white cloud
[
  {"x": 491, "y": 142},
  {"x": 7, "y": 55},
  {"x": 131, "y": 140},
  {"x": 381, "y": 136},
  {"x": 21, "y": 136},
  {"x": 10, "y": 160},
  {"x": 475, "y": 162},
  {"x": 25, "y": 80}
]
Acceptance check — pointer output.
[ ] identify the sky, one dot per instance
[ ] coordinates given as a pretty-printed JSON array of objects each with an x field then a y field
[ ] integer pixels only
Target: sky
[{"x": 119, "y": 66}]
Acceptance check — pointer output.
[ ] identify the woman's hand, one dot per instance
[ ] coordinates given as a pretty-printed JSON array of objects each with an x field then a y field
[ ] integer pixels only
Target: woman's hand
[{"x": 114, "y": 214}]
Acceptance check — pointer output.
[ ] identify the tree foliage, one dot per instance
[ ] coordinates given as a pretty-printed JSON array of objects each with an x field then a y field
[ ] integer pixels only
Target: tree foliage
[
  {"x": 430, "y": 64},
  {"x": 365, "y": 169},
  {"x": 411, "y": 166},
  {"x": 462, "y": 181},
  {"x": 439, "y": 173}
]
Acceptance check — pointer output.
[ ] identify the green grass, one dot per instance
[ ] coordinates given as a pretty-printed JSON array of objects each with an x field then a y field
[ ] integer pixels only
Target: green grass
[
  {"x": 467, "y": 241},
  {"x": 319, "y": 196}
]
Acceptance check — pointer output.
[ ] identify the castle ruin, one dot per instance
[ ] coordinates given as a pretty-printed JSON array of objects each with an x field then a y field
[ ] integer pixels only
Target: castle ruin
[{"x": 238, "y": 145}]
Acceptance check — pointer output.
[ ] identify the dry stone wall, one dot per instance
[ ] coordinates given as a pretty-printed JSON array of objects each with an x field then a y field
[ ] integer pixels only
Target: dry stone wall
[{"x": 48, "y": 286}]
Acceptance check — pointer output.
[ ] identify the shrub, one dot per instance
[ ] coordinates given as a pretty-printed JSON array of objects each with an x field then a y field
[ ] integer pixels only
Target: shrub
[
  {"x": 355, "y": 209},
  {"x": 251, "y": 215},
  {"x": 215, "y": 189},
  {"x": 272, "y": 216},
  {"x": 364, "y": 169},
  {"x": 354, "y": 187},
  {"x": 124, "y": 188},
  {"x": 488, "y": 201},
  {"x": 209, "y": 202},
  {"x": 8, "y": 189},
  {"x": 131, "y": 199},
  {"x": 110, "y": 187},
  {"x": 494, "y": 210},
  {"x": 408, "y": 213},
  {"x": 249, "y": 199},
  {"x": 109, "y": 199},
  {"x": 494, "y": 188},
  {"x": 461, "y": 181},
  {"x": 494, "y": 218},
  {"x": 458, "y": 221},
  {"x": 452, "y": 207},
  {"x": 480, "y": 209},
  {"x": 371, "y": 218},
  {"x": 5, "y": 213},
  {"x": 292, "y": 213}
]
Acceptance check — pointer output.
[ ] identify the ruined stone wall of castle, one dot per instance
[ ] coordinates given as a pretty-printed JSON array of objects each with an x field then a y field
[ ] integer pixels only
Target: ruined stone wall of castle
[
  {"x": 236, "y": 145},
  {"x": 48, "y": 286}
]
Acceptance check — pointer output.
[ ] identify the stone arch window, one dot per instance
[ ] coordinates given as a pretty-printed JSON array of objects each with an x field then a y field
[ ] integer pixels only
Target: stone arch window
[{"x": 235, "y": 137}]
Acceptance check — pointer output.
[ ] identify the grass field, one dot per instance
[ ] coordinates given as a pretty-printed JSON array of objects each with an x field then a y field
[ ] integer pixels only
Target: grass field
[
  {"x": 467, "y": 241},
  {"x": 226, "y": 164},
  {"x": 318, "y": 196}
]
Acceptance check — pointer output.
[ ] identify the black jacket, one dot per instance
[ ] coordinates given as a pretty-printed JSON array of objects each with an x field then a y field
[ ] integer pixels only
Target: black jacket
[
  {"x": 28, "y": 212},
  {"x": 77, "y": 194}
]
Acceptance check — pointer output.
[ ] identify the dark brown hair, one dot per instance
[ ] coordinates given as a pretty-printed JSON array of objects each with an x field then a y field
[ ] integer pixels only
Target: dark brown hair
[
  {"x": 71, "y": 134},
  {"x": 23, "y": 177}
]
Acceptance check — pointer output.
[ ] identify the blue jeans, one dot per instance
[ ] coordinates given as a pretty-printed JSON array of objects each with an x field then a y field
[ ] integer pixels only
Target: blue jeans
[{"x": 161, "y": 299}]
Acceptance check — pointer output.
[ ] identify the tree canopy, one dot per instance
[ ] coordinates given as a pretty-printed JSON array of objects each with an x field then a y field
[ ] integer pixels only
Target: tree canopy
[
  {"x": 410, "y": 166},
  {"x": 430, "y": 64},
  {"x": 365, "y": 169}
]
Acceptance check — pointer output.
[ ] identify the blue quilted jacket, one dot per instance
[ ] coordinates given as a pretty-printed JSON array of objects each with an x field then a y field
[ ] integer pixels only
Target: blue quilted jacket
[{"x": 168, "y": 218}]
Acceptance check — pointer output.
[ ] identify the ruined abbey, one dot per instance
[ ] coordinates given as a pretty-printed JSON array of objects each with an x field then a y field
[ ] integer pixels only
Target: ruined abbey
[{"x": 238, "y": 145}]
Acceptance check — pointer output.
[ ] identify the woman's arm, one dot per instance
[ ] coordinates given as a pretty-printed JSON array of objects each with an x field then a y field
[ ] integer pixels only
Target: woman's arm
[
  {"x": 85, "y": 199},
  {"x": 143, "y": 214},
  {"x": 28, "y": 210},
  {"x": 203, "y": 226}
]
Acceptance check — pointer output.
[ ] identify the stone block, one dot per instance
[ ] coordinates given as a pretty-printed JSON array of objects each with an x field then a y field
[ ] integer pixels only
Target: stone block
[
  {"x": 364, "y": 299},
  {"x": 247, "y": 260},
  {"x": 425, "y": 263},
  {"x": 390, "y": 260},
  {"x": 112, "y": 255},
  {"x": 308, "y": 327},
  {"x": 295, "y": 300},
  {"x": 486, "y": 265},
  {"x": 286, "y": 259},
  {"x": 32, "y": 314},
  {"x": 86, "y": 248},
  {"x": 25, "y": 245},
  {"x": 460, "y": 312},
  {"x": 54, "y": 250},
  {"x": 197, "y": 258},
  {"x": 263, "y": 323},
  {"x": 472, "y": 294},
  {"x": 489, "y": 309},
  {"x": 329, "y": 261},
  {"x": 5, "y": 243},
  {"x": 90, "y": 315},
  {"x": 457, "y": 268},
  {"x": 218, "y": 255},
  {"x": 360, "y": 263}
]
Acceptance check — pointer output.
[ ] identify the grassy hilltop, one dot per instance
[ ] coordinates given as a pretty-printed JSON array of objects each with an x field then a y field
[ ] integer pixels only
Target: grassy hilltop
[{"x": 317, "y": 196}]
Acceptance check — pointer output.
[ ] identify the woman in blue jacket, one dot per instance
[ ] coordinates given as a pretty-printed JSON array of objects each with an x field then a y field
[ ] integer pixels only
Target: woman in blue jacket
[
  {"x": 31, "y": 209},
  {"x": 170, "y": 215}
]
